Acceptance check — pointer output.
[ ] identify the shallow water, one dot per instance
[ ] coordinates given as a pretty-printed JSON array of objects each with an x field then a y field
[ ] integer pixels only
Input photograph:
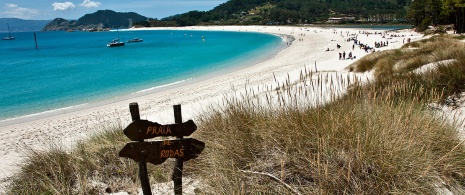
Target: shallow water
[{"x": 75, "y": 68}]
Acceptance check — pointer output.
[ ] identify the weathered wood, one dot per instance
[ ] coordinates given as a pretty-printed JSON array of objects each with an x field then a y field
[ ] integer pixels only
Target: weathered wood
[
  {"x": 179, "y": 163},
  {"x": 143, "y": 129},
  {"x": 35, "y": 39},
  {"x": 157, "y": 152},
  {"x": 143, "y": 176}
]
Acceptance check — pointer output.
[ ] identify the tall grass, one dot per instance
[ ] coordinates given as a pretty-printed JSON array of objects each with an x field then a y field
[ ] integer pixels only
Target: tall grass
[
  {"x": 326, "y": 133},
  {"x": 411, "y": 56},
  {"x": 378, "y": 138},
  {"x": 93, "y": 167},
  {"x": 367, "y": 142}
]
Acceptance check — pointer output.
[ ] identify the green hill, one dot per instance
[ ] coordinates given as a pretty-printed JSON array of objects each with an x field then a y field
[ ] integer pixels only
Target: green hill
[
  {"x": 293, "y": 12},
  {"x": 100, "y": 20}
]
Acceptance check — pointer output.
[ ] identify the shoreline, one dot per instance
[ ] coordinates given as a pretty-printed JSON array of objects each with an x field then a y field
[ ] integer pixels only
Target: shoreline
[
  {"x": 147, "y": 91},
  {"x": 307, "y": 51}
]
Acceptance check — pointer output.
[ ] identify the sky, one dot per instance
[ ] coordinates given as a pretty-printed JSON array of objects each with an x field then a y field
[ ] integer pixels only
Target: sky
[{"x": 74, "y": 9}]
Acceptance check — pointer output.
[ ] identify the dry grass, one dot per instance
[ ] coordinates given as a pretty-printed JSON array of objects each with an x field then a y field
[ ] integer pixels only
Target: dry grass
[
  {"x": 93, "y": 167},
  {"x": 364, "y": 143},
  {"x": 411, "y": 56},
  {"x": 377, "y": 138}
]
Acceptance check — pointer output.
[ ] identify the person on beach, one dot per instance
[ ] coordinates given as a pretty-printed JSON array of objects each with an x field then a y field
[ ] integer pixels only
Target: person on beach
[
  {"x": 340, "y": 56},
  {"x": 344, "y": 55}
]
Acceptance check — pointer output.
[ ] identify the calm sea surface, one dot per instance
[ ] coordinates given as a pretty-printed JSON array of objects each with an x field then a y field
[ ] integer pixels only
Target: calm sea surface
[{"x": 76, "y": 68}]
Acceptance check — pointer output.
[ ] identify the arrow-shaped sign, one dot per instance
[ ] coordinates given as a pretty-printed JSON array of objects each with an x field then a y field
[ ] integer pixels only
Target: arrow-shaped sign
[
  {"x": 143, "y": 129},
  {"x": 158, "y": 151}
]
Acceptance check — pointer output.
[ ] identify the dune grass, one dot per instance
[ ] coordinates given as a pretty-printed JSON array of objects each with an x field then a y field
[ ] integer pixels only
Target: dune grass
[
  {"x": 379, "y": 137},
  {"x": 93, "y": 167}
]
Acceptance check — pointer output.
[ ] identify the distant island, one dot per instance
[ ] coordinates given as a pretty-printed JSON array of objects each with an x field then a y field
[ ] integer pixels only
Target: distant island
[
  {"x": 101, "y": 20},
  {"x": 20, "y": 25}
]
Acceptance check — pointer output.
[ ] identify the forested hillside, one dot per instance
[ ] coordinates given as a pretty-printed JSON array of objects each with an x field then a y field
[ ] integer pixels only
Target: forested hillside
[
  {"x": 423, "y": 13},
  {"x": 102, "y": 19},
  {"x": 291, "y": 12}
]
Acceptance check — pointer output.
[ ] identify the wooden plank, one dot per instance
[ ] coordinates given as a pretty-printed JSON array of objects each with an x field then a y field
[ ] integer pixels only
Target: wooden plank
[
  {"x": 143, "y": 176},
  {"x": 143, "y": 129},
  {"x": 157, "y": 152},
  {"x": 178, "y": 164}
]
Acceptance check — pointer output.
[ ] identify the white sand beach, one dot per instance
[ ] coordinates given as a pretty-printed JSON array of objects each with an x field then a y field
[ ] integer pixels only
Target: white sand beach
[{"x": 307, "y": 50}]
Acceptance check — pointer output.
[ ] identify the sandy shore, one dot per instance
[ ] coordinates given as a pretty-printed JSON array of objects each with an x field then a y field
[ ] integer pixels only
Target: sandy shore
[{"x": 308, "y": 50}]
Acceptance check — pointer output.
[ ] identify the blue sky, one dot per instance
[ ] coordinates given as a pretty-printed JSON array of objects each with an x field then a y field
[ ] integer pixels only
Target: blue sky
[{"x": 74, "y": 9}]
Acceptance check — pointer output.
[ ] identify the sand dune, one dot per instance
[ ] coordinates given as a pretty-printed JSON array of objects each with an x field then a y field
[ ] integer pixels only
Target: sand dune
[{"x": 306, "y": 50}]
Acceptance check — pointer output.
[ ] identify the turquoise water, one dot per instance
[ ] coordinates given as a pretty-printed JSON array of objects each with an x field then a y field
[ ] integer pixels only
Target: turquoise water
[{"x": 76, "y": 68}]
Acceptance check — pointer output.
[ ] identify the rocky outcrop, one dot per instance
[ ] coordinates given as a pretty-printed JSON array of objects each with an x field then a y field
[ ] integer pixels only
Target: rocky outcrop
[{"x": 58, "y": 24}]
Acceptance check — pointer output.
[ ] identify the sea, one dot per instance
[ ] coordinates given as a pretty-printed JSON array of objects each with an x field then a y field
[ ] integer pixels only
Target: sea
[{"x": 69, "y": 69}]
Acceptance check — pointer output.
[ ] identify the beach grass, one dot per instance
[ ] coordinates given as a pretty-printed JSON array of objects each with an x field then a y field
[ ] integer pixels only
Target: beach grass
[
  {"x": 303, "y": 137},
  {"x": 93, "y": 167}
]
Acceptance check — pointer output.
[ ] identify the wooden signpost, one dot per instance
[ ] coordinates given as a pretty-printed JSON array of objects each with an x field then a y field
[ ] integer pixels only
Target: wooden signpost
[
  {"x": 143, "y": 129},
  {"x": 156, "y": 152}
]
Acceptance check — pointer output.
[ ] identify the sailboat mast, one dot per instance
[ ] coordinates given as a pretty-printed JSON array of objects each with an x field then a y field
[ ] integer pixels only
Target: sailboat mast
[{"x": 9, "y": 32}]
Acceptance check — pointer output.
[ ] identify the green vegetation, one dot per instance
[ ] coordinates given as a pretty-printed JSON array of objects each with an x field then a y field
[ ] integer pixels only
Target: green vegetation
[
  {"x": 291, "y": 12},
  {"x": 378, "y": 137},
  {"x": 110, "y": 19},
  {"x": 423, "y": 13},
  {"x": 100, "y": 20}
]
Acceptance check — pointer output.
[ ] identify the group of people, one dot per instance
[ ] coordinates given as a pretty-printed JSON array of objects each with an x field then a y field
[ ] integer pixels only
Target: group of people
[
  {"x": 353, "y": 37},
  {"x": 381, "y": 44},
  {"x": 408, "y": 41},
  {"x": 342, "y": 56}
]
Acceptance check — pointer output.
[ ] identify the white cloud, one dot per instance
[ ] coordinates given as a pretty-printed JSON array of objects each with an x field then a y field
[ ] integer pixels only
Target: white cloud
[
  {"x": 63, "y": 6},
  {"x": 11, "y": 5},
  {"x": 89, "y": 3},
  {"x": 14, "y": 11}
]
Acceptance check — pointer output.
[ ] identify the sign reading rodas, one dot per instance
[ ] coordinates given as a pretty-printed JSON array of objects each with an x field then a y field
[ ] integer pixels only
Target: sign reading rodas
[{"x": 157, "y": 152}]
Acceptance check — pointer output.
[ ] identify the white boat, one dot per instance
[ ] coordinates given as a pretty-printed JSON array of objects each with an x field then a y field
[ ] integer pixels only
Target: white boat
[
  {"x": 115, "y": 43},
  {"x": 135, "y": 40},
  {"x": 9, "y": 34}
]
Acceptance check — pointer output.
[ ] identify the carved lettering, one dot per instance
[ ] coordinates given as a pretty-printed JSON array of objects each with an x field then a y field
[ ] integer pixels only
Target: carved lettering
[
  {"x": 161, "y": 130},
  {"x": 172, "y": 153},
  {"x": 149, "y": 129}
]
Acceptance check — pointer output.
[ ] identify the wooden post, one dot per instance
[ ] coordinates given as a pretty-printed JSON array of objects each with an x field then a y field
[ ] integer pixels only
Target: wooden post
[
  {"x": 143, "y": 176},
  {"x": 316, "y": 70},
  {"x": 35, "y": 39},
  {"x": 177, "y": 171}
]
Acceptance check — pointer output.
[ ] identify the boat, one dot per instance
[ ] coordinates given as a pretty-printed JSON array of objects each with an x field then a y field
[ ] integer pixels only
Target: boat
[
  {"x": 9, "y": 34},
  {"x": 135, "y": 40},
  {"x": 115, "y": 43}
]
